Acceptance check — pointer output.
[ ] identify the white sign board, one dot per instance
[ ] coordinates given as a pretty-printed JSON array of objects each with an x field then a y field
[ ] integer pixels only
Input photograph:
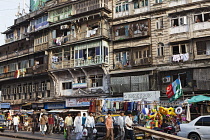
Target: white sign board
[{"x": 145, "y": 95}]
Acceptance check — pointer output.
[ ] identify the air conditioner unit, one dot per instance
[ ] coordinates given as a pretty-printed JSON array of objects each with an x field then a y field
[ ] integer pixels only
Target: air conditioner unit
[{"x": 166, "y": 79}]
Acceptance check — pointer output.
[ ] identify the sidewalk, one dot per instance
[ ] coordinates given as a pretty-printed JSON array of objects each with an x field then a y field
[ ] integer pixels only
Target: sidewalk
[{"x": 29, "y": 135}]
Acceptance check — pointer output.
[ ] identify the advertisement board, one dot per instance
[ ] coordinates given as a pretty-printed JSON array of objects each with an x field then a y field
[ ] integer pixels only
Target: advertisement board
[
  {"x": 145, "y": 95},
  {"x": 36, "y": 4},
  {"x": 78, "y": 102}
]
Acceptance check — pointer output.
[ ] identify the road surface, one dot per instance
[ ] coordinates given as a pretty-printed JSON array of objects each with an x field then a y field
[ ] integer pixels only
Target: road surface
[{"x": 8, "y": 138}]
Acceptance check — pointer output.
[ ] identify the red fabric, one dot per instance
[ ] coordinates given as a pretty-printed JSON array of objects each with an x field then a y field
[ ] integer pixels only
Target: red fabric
[
  {"x": 170, "y": 91},
  {"x": 50, "y": 121}
]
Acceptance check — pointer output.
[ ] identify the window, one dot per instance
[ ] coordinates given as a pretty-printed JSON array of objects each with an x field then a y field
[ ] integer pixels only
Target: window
[
  {"x": 179, "y": 49},
  {"x": 66, "y": 53},
  {"x": 199, "y": 122},
  {"x": 158, "y": 1},
  {"x": 121, "y": 7},
  {"x": 67, "y": 85},
  {"x": 206, "y": 121},
  {"x": 145, "y": 2},
  {"x": 57, "y": 55},
  {"x": 122, "y": 57},
  {"x": 81, "y": 79},
  {"x": 96, "y": 80},
  {"x": 159, "y": 23},
  {"x": 160, "y": 49},
  {"x": 136, "y": 4},
  {"x": 203, "y": 17},
  {"x": 178, "y": 21},
  {"x": 203, "y": 47}
]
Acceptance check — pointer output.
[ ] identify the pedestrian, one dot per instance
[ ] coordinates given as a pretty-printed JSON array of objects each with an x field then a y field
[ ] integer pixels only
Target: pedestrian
[
  {"x": 90, "y": 125},
  {"x": 43, "y": 122},
  {"x": 83, "y": 119},
  {"x": 51, "y": 123},
  {"x": 34, "y": 122},
  {"x": 78, "y": 126},
  {"x": 121, "y": 123},
  {"x": 68, "y": 125},
  {"x": 128, "y": 126},
  {"x": 15, "y": 123},
  {"x": 109, "y": 127}
]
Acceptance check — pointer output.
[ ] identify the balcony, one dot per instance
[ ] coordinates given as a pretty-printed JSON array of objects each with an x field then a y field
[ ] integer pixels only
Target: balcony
[
  {"x": 179, "y": 29},
  {"x": 62, "y": 65},
  {"x": 18, "y": 53},
  {"x": 177, "y": 3},
  {"x": 197, "y": 0},
  {"x": 121, "y": 14},
  {"x": 80, "y": 36},
  {"x": 41, "y": 47},
  {"x": 201, "y": 26},
  {"x": 141, "y": 10},
  {"x": 40, "y": 68},
  {"x": 90, "y": 5},
  {"x": 90, "y": 61},
  {"x": 9, "y": 40}
]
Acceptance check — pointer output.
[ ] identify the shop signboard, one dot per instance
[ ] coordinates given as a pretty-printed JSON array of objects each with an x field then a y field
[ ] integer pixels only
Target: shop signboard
[
  {"x": 15, "y": 107},
  {"x": 79, "y": 102},
  {"x": 5, "y": 105},
  {"x": 79, "y": 85},
  {"x": 114, "y": 99},
  {"x": 59, "y": 105},
  {"x": 145, "y": 95}
]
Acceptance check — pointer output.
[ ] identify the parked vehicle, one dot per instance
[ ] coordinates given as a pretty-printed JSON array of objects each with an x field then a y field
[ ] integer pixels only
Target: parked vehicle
[
  {"x": 198, "y": 129},
  {"x": 2, "y": 123}
]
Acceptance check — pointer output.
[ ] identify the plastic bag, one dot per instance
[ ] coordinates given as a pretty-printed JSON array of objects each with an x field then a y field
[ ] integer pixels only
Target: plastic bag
[
  {"x": 85, "y": 132},
  {"x": 64, "y": 134},
  {"x": 94, "y": 131}
]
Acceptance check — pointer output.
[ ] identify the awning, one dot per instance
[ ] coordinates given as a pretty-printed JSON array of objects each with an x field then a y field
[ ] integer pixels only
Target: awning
[
  {"x": 198, "y": 98},
  {"x": 56, "y": 111}
]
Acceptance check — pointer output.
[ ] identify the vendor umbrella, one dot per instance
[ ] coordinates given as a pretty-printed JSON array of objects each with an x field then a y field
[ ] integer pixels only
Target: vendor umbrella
[{"x": 198, "y": 98}]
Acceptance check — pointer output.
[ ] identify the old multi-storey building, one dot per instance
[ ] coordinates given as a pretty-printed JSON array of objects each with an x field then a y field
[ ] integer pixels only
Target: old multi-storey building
[
  {"x": 155, "y": 41},
  {"x": 83, "y": 48}
]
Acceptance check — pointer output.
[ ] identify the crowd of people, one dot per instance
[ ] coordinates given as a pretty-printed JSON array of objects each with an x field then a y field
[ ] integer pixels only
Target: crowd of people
[{"x": 74, "y": 127}]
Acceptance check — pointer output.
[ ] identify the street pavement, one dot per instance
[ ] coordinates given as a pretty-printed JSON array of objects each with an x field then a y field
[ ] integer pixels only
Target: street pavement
[
  {"x": 6, "y": 138},
  {"x": 28, "y": 135}
]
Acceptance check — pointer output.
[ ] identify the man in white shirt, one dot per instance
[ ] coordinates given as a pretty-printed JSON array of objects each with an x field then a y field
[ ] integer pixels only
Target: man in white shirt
[
  {"x": 90, "y": 124},
  {"x": 68, "y": 124},
  {"x": 121, "y": 123},
  {"x": 128, "y": 126},
  {"x": 15, "y": 123},
  {"x": 78, "y": 126}
]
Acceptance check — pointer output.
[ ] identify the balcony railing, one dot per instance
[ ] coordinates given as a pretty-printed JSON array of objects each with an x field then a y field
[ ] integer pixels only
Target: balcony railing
[
  {"x": 141, "y": 10},
  {"x": 179, "y": 29},
  {"x": 18, "y": 53},
  {"x": 91, "y": 61},
  {"x": 41, "y": 47},
  {"x": 40, "y": 68},
  {"x": 80, "y": 36},
  {"x": 196, "y": 0},
  {"x": 62, "y": 64},
  {"x": 177, "y": 2},
  {"x": 201, "y": 26}
]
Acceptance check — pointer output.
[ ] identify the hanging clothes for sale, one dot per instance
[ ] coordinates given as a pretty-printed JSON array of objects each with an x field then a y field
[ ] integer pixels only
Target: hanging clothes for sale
[
  {"x": 117, "y": 105},
  {"x": 125, "y": 106},
  {"x": 129, "y": 106}
]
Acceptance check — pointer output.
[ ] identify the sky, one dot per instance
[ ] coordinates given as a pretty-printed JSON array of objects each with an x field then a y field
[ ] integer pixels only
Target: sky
[{"x": 8, "y": 10}]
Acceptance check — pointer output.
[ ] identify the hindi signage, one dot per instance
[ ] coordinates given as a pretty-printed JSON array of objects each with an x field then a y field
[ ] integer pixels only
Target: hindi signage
[{"x": 146, "y": 95}]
